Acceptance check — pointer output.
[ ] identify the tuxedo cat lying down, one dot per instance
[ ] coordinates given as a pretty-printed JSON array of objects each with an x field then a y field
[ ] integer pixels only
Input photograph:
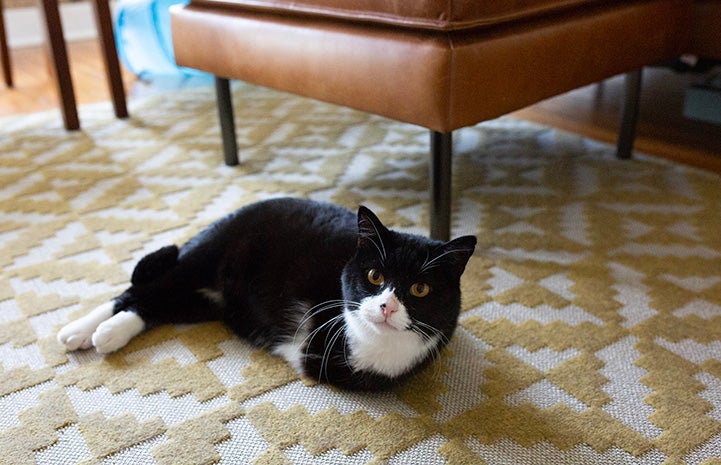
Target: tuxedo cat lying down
[{"x": 343, "y": 299}]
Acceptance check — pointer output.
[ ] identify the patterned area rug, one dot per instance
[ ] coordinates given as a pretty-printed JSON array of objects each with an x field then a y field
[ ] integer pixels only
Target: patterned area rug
[{"x": 591, "y": 331}]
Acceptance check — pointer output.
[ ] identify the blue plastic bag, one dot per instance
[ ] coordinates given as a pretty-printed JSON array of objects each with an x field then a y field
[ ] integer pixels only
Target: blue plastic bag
[{"x": 143, "y": 40}]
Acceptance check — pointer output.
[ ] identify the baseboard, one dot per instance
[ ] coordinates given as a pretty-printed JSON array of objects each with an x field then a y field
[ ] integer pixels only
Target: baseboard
[{"x": 24, "y": 26}]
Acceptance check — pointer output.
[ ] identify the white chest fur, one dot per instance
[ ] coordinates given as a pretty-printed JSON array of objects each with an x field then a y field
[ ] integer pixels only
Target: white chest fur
[{"x": 386, "y": 348}]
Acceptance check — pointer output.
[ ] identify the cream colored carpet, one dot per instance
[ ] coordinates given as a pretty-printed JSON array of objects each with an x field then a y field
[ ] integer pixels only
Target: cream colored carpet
[{"x": 591, "y": 331}]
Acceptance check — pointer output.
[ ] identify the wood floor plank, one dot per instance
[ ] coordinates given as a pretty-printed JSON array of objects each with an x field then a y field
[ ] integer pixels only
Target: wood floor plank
[{"x": 663, "y": 131}]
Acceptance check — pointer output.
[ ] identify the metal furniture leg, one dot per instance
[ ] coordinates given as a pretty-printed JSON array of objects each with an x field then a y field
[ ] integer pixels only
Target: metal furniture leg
[
  {"x": 227, "y": 123},
  {"x": 440, "y": 184},
  {"x": 629, "y": 114}
]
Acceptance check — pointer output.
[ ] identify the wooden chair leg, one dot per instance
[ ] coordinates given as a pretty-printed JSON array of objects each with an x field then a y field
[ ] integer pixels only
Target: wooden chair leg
[
  {"x": 629, "y": 114},
  {"x": 104, "y": 26},
  {"x": 4, "y": 53},
  {"x": 58, "y": 58},
  {"x": 227, "y": 121},
  {"x": 440, "y": 179}
]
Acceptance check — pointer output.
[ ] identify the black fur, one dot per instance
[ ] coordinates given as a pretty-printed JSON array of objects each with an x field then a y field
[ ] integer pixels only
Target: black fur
[{"x": 263, "y": 267}]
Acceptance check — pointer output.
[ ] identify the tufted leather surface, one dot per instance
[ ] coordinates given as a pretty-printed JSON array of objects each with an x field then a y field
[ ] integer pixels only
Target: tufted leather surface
[{"x": 430, "y": 14}]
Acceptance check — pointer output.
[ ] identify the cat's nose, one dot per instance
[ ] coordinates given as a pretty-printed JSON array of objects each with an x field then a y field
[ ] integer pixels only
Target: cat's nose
[{"x": 389, "y": 307}]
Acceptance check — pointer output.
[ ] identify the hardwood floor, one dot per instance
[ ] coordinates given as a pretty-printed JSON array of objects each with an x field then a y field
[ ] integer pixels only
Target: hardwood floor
[
  {"x": 663, "y": 131},
  {"x": 34, "y": 88},
  {"x": 591, "y": 111}
]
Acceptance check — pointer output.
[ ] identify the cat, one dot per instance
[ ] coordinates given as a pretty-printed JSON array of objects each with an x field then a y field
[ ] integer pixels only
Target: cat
[{"x": 342, "y": 298}]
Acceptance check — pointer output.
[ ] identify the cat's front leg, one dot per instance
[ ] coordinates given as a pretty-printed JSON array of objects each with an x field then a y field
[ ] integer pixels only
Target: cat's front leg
[
  {"x": 115, "y": 333},
  {"x": 102, "y": 328},
  {"x": 78, "y": 334}
]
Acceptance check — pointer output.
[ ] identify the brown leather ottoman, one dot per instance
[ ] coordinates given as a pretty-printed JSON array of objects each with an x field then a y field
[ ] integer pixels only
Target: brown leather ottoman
[
  {"x": 439, "y": 64},
  {"x": 706, "y": 29}
]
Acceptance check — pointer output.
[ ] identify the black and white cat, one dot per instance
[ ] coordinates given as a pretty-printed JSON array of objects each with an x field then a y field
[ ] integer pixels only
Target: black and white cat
[{"x": 342, "y": 298}]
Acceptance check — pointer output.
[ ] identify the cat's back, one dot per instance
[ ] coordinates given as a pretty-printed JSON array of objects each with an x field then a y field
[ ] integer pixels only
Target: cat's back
[
  {"x": 298, "y": 218},
  {"x": 288, "y": 250},
  {"x": 278, "y": 225}
]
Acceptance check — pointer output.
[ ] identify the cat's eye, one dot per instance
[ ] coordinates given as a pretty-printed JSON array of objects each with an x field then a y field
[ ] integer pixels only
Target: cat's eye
[
  {"x": 375, "y": 277},
  {"x": 420, "y": 289}
]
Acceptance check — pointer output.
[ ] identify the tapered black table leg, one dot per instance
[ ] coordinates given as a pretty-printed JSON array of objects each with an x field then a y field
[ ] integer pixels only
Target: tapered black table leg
[
  {"x": 440, "y": 184},
  {"x": 629, "y": 114},
  {"x": 227, "y": 122}
]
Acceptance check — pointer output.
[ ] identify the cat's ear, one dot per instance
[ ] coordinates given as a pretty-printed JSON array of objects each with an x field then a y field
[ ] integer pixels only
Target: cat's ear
[
  {"x": 370, "y": 229},
  {"x": 456, "y": 253}
]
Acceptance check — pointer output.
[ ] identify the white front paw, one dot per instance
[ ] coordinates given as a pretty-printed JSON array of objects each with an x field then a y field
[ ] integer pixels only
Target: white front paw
[
  {"x": 78, "y": 334},
  {"x": 75, "y": 336},
  {"x": 116, "y": 332}
]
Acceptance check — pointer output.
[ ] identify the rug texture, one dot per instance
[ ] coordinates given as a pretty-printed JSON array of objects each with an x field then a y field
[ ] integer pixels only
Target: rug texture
[{"x": 591, "y": 324}]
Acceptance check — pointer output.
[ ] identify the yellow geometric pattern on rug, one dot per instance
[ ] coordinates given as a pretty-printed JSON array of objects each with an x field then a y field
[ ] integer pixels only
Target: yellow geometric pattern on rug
[{"x": 591, "y": 324}]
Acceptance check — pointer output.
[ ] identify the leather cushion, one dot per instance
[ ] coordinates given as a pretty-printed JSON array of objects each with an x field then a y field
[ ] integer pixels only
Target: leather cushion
[
  {"x": 442, "y": 81},
  {"x": 425, "y": 14}
]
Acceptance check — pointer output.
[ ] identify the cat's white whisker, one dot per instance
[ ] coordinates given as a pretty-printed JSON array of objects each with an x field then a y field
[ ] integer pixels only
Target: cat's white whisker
[
  {"x": 435, "y": 353},
  {"x": 432, "y": 264},
  {"x": 328, "y": 350},
  {"x": 320, "y": 308},
  {"x": 418, "y": 326},
  {"x": 345, "y": 347},
  {"x": 314, "y": 311},
  {"x": 309, "y": 338},
  {"x": 382, "y": 248}
]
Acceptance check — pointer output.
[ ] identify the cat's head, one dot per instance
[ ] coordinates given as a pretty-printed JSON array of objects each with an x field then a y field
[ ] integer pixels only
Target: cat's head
[{"x": 407, "y": 291}]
